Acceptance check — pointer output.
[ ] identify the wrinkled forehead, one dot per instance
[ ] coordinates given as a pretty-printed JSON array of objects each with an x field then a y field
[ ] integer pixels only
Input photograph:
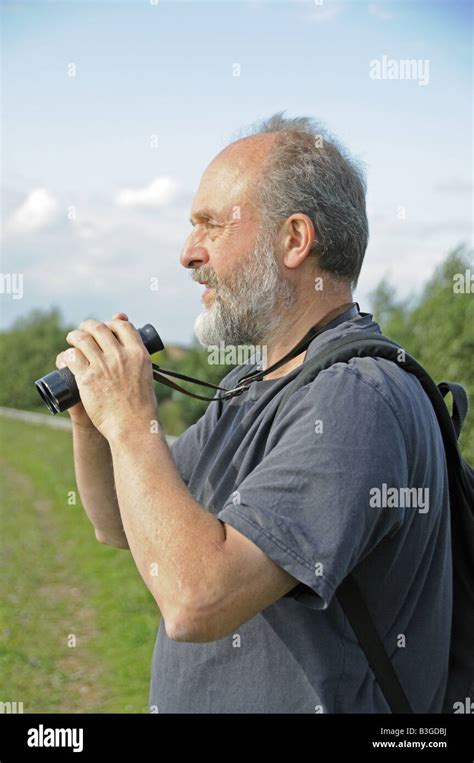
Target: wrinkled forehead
[
  {"x": 229, "y": 180},
  {"x": 223, "y": 185}
]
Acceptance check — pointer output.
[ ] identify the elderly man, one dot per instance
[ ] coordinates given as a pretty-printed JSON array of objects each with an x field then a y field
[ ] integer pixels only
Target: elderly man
[{"x": 244, "y": 529}]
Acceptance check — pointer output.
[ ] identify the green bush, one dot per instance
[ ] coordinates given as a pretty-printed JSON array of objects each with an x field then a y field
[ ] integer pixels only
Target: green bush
[
  {"x": 27, "y": 351},
  {"x": 437, "y": 328}
]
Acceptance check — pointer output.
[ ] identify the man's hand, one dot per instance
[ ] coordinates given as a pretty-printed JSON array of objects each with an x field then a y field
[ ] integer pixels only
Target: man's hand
[
  {"x": 113, "y": 373},
  {"x": 77, "y": 412}
]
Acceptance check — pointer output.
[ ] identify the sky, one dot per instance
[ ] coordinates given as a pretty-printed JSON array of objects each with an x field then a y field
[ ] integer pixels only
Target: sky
[{"x": 112, "y": 111}]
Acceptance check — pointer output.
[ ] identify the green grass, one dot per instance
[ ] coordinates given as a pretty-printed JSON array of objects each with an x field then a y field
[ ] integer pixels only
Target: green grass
[{"x": 58, "y": 580}]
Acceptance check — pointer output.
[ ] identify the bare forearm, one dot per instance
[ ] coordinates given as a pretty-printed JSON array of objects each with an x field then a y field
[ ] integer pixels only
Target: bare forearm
[
  {"x": 173, "y": 539},
  {"x": 95, "y": 482}
]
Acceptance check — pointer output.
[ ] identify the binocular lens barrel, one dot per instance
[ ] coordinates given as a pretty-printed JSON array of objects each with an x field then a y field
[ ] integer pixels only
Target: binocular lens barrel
[{"x": 58, "y": 389}]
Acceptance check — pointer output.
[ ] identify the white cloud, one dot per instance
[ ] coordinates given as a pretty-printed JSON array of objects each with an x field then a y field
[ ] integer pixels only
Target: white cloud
[
  {"x": 159, "y": 192},
  {"x": 381, "y": 13},
  {"x": 104, "y": 260},
  {"x": 39, "y": 210}
]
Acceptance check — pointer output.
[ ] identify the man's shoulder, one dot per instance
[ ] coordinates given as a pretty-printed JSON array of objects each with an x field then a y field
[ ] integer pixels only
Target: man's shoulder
[
  {"x": 365, "y": 389},
  {"x": 369, "y": 376}
]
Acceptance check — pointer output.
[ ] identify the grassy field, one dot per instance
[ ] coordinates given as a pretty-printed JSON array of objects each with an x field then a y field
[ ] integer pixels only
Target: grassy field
[{"x": 58, "y": 582}]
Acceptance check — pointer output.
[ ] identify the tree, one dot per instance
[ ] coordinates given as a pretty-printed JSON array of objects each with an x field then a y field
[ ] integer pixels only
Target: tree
[
  {"x": 437, "y": 328},
  {"x": 27, "y": 352},
  {"x": 195, "y": 363}
]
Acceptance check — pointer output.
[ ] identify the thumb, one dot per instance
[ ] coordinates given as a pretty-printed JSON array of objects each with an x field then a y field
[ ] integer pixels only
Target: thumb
[{"x": 120, "y": 317}]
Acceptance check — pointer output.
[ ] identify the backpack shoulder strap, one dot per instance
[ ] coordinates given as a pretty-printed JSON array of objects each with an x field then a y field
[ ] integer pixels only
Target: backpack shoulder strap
[
  {"x": 362, "y": 344},
  {"x": 368, "y": 344},
  {"x": 357, "y": 612},
  {"x": 460, "y": 403}
]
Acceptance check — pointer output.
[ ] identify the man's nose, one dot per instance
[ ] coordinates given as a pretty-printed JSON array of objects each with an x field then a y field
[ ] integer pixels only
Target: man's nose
[{"x": 193, "y": 254}]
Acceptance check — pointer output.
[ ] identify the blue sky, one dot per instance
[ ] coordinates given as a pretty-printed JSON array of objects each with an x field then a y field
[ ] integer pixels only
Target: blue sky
[{"x": 92, "y": 212}]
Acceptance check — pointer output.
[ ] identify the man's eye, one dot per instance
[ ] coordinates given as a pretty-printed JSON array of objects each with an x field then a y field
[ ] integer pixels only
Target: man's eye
[{"x": 206, "y": 223}]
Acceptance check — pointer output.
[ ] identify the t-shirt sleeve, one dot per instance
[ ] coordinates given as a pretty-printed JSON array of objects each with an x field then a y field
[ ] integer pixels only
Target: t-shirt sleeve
[
  {"x": 186, "y": 443},
  {"x": 191, "y": 442},
  {"x": 308, "y": 504}
]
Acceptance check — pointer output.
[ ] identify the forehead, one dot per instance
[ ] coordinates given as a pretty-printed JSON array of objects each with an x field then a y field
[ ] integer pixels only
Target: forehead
[
  {"x": 224, "y": 184},
  {"x": 229, "y": 179}
]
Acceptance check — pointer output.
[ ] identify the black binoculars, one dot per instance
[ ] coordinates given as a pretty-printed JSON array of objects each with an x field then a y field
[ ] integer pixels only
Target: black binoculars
[{"x": 58, "y": 389}]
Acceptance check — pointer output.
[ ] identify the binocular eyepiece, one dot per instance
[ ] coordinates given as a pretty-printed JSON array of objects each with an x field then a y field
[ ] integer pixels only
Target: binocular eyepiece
[{"x": 58, "y": 389}]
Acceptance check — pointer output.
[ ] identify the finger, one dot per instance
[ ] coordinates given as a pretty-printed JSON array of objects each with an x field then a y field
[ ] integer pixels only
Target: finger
[
  {"x": 60, "y": 360},
  {"x": 86, "y": 344},
  {"x": 126, "y": 333},
  {"x": 75, "y": 360},
  {"x": 101, "y": 334},
  {"x": 120, "y": 317}
]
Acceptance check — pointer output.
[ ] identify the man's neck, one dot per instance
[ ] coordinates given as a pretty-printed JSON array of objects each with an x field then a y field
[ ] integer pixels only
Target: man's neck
[{"x": 295, "y": 328}]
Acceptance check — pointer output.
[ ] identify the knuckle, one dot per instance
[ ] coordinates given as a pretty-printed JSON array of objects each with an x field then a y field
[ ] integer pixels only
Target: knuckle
[
  {"x": 70, "y": 355},
  {"x": 137, "y": 349},
  {"x": 143, "y": 355},
  {"x": 89, "y": 325}
]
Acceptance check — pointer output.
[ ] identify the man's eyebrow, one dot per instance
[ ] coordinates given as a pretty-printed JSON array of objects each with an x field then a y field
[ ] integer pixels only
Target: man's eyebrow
[{"x": 203, "y": 214}]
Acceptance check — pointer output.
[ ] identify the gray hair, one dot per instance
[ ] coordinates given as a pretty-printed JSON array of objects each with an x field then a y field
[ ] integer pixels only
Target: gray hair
[{"x": 309, "y": 171}]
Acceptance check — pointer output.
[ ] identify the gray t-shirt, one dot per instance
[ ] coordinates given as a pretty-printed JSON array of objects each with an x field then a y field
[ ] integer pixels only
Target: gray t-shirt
[{"x": 311, "y": 487}]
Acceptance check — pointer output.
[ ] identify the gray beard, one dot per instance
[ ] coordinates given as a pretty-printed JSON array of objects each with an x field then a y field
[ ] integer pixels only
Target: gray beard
[{"x": 249, "y": 307}]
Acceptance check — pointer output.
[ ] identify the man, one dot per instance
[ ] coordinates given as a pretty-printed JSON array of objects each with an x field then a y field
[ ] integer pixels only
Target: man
[{"x": 245, "y": 528}]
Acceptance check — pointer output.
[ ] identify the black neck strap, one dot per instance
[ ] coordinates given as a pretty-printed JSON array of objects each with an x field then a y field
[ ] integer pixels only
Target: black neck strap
[
  {"x": 339, "y": 315},
  {"x": 330, "y": 320}
]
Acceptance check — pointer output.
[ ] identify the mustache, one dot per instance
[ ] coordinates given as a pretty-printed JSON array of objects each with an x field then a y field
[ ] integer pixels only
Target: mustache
[{"x": 206, "y": 277}]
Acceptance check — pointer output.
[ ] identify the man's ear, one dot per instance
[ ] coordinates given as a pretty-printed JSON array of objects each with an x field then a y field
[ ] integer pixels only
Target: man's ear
[{"x": 298, "y": 237}]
